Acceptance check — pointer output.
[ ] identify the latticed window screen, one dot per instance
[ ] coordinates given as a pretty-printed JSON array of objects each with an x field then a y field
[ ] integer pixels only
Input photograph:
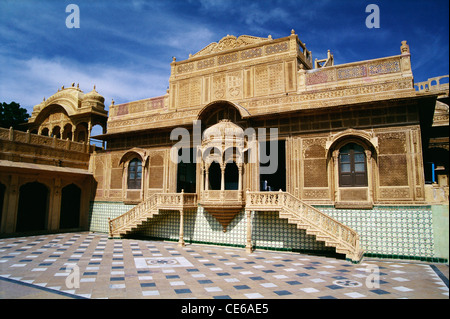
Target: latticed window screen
[
  {"x": 134, "y": 174},
  {"x": 352, "y": 166}
]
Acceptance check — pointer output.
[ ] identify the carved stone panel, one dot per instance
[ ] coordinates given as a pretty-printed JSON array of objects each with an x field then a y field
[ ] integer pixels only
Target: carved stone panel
[
  {"x": 218, "y": 87},
  {"x": 393, "y": 170},
  {"x": 234, "y": 85}
]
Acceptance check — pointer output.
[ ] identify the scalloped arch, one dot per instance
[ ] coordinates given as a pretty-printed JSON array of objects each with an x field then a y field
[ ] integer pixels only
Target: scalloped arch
[
  {"x": 128, "y": 155},
  {"x": 367, "y": 137},
  {"x": 215, "y": 104}
]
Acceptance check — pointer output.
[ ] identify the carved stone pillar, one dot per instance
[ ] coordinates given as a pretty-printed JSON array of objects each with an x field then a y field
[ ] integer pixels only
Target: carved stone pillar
[
  {"x": 222, "y": 178},
  {"x": 125, "y": 181},
  {"x": 369, "y": 174},
  {"x": 240, "y": 182},
  {"x": 181, "y": 239},
  {"x": 249, "y": 246},
  {"x": 222, "y": 181},
  {"x": 301, "y": 78},
  {"x": 54, "y": 213},
  {"x": 336, "y": 174},
  {"x": 202, "y": 178},
  {"x": 144, "y": 180},
  {"x": 206, "y": 177},
  {"x": 89, "y": 133},
  {"x": 11, "y": 204}
]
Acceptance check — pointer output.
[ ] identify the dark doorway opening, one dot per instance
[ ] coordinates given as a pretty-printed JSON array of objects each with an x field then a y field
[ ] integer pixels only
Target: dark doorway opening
[
  {"x": 70, "y": 207},
  {"x": 186, "y": 173},
  {"x": 215, "y": 176},
  {"x": 33, "y": 207},
  {"x": 231, "y": 176},
  {"x": 276, "y": 180}
]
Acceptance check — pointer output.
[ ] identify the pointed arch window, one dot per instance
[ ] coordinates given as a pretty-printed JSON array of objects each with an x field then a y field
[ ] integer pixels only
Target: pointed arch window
[
  {"x": 352, "y": 166},
  {"x": 134, "y": 174}
]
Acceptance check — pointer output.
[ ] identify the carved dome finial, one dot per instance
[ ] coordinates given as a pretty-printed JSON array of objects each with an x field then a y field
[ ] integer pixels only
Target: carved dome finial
[{"x": 404, "y": 48}]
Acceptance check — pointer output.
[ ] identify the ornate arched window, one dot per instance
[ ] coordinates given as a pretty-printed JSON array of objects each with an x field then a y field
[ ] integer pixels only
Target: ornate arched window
[
  {"x": 352, "y": 166},
  {"x": 134, "y": 174},
  {"x": 215, "y": 174}
]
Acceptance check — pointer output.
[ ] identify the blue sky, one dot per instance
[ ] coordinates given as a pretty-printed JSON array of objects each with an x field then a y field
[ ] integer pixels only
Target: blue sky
[{"x": 125, "y": 47}]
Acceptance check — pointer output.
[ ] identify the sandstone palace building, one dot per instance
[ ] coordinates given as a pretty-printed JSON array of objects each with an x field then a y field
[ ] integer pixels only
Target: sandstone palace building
[{"x": 254, "y": 145}]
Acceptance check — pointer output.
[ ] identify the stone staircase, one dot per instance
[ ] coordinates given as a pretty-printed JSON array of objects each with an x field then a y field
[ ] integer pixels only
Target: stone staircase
[
  {"x": 312, "y": 220},
  {"x": 148, "y": 209}
]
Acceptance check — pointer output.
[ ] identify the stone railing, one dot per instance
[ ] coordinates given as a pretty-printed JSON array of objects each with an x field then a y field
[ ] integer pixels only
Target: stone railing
[
  {"x": 25, "y": 147},
  {"x": 41, "y": 140},
  {"x": 149, "y": 207},
  {"x": 334, "y": 233},
  {"x": 221, "y": 195},
  {"x": 433, "y": 84},
  {"x": 353, "y": 71}
]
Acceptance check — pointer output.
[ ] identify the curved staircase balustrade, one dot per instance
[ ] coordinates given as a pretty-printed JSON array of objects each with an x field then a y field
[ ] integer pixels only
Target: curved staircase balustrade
[
  {"x": 325, "y": 228},
  {"x": 313, "y": 221},
  {"x": 148, "y": 208}
]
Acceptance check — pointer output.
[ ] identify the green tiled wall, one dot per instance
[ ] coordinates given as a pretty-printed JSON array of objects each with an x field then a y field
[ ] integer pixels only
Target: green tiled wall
[
  {"x": 203, "y": 227},
  {"x": 165, "y": 225},
  {"x": 390, "y": 230},
  {"x": 269, "y": 231},
  {"x": 384, "y": 230},
  {"x": 101, "y": 211}
]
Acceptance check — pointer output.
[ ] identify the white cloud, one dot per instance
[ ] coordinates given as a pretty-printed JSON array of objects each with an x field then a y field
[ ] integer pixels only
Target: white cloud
[
  {"x": 191, "y": 39},
  {"x": 30, "y": 80}
]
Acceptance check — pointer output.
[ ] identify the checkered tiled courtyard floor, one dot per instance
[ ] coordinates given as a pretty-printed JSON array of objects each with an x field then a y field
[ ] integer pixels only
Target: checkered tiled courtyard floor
[{"x": 46, "y": 267}]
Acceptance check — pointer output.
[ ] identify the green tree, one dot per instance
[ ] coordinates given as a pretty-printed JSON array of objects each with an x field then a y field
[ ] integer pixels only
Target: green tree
[{"x": 13, "y": 115}]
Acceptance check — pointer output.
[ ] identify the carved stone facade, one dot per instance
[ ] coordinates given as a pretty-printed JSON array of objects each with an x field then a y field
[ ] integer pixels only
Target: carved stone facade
[
  {"x": 350, "y": 136},
  {"x": 69, "y": 114},
  {"x": 45, "y": 180},
  {"x": 45, "y": 183}
]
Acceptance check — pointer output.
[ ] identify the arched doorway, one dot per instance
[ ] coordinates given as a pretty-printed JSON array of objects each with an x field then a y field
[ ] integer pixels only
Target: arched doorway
[
  {"x": 70, "y": 207},
  {"x": 56, "y": 132},
  {"x": 81, "y": 132},
  {"x": 353, "y": 165},
  {"x": 231, "y": 176},
  {"x": 33, "y": 207},
  {"x": 215, "y": 174},
  {"x": 67, "y": 133}
]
